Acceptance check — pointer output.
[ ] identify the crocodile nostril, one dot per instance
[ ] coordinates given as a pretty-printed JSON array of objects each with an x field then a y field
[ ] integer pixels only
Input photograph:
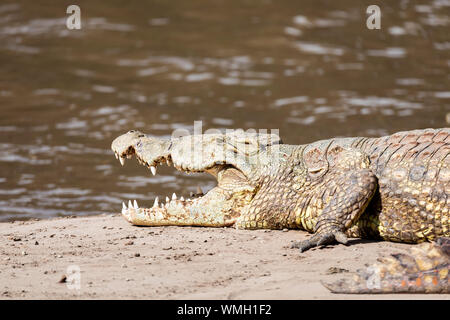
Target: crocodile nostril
[
  {"x": 141, "y": 136},
  {"x": 131, "y": 131}
]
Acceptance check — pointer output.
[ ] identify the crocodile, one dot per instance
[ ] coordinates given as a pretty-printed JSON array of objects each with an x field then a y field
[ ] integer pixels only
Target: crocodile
[
  {"x": 425, "y": 269},
  {"x": 394, "y": 188}
]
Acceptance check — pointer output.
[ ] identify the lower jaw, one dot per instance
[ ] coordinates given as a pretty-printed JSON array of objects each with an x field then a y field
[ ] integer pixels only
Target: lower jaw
[{"x": 177, "y": 212}]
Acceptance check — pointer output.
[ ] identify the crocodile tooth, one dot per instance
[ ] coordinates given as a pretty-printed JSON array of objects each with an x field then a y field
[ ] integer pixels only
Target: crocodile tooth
[
  {"x": 130, "y": 205},
  {"x": 153, "y": 170},
  {"x": 182, "y": 199},
  {"x": 156, "y": 202},
  {"x": 174, "y": 196},
  {"x": 122, "y": 161},
  {"x": 199, "y": 190},
  {"x": 135, "y": 205},
  {"x": 167, "y": 200},
  {"x": 124, "y": 207},
  {"x": 117, "y": 155}
]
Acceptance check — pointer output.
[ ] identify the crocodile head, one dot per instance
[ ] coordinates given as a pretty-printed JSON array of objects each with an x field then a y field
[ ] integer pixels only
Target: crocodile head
[{"x": 234, "y": 159}]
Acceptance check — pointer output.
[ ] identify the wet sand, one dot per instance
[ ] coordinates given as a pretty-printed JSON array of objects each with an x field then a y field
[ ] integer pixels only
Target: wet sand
[{"x": 120, "y": 261}]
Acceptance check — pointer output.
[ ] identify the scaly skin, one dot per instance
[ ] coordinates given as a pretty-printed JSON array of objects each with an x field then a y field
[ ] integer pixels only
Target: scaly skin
[
  {"x": 424, "y": 270},
  {"x": 395, "y": 188}
]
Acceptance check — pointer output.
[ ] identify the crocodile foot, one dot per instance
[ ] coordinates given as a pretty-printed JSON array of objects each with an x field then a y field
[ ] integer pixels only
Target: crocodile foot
[{"x": 321, "y": 239}]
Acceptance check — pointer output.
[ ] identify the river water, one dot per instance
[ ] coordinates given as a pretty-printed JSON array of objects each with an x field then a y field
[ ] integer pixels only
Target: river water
[{"x": 311, "y": 69}]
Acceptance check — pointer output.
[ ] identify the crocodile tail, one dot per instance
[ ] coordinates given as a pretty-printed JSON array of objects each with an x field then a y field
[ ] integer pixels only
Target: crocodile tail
[{"x": 424, "y": 270}]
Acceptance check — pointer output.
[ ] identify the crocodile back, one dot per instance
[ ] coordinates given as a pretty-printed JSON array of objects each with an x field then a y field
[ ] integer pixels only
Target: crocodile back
[{"x": 413, "y": 171}]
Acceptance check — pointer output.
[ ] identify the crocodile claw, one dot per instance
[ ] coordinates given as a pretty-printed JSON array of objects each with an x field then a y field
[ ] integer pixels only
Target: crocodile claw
[{"x": 321, "y": 239}]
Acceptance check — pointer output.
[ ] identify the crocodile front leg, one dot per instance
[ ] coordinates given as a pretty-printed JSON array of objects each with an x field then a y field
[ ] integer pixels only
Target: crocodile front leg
[
  {"x": 353, "y": 192},
  {"x": 341, "y": 180}
]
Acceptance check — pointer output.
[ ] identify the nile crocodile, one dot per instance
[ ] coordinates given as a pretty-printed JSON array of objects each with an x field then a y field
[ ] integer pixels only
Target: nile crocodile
[{"x": 395, "y": 187}]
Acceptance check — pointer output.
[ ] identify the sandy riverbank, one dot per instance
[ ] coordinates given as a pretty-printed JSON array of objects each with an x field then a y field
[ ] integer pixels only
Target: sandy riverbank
[{"x": 120, "y": 261}]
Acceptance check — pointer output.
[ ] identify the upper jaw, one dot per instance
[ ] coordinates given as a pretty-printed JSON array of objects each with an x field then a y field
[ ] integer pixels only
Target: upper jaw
[
  {"x": 149, "y": 151},
  {"x": 183, "y": 153}
]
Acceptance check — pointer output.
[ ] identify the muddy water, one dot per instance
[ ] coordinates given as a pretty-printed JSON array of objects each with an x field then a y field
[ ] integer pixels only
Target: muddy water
[{"x": 308, "y": 68}]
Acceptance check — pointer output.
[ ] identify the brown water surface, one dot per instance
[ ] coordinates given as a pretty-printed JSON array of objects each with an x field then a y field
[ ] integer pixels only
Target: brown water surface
[{"x": 308, "y": 68}]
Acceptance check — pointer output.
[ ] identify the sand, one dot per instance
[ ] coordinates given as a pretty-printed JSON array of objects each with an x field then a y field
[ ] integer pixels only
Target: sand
[{"x": 104, "y": 257}]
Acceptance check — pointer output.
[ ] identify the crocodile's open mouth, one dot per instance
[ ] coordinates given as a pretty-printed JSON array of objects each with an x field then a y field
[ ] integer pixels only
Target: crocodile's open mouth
[{"x": 230, "y": 180}]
